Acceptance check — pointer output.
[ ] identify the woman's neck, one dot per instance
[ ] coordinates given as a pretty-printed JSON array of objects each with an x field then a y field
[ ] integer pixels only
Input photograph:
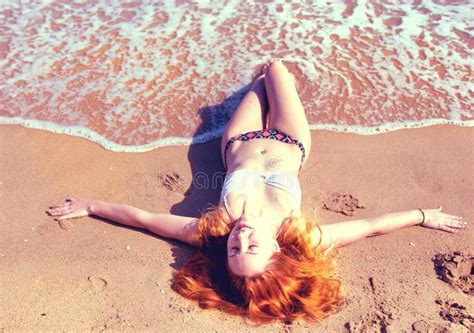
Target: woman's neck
[{"x": 273, "y": 213}]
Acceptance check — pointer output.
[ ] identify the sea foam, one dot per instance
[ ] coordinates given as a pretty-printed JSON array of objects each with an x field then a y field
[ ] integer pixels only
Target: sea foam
[{"x": 139, "y": 75}]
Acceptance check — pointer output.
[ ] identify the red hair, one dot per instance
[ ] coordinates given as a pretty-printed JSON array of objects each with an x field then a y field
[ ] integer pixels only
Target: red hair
[{"x": 298, "y": 281}]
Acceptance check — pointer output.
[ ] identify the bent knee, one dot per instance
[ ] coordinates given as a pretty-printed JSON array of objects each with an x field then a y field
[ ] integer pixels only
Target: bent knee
[{"x": 278, "y": 65}]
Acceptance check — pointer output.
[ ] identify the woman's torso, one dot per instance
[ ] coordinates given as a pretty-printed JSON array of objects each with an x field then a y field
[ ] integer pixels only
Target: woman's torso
[{"x": 263, "y": 175}]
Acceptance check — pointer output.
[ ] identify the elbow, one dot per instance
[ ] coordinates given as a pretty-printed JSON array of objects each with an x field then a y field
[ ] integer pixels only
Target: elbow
[
  {"x": 376, "y": 228},
  {"x": 376, "y": 233},
  {"x": 141, "y": 219}
]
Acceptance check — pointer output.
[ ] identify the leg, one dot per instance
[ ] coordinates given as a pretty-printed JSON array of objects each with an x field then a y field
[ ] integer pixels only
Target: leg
[
  {"x": 286, "y": 111},
  {"x": 250, "y": 115}
]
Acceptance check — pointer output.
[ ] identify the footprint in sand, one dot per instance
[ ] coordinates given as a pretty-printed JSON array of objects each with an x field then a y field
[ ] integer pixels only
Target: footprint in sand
[
  {"x": 456, "y": 313},
  {"x": 457, "y": 269},
  {"x": 421, "y": 326},
  {"x": 171, "y": 181},
  {"x": 97, "y": 282},
  {"x": 381, "y": 315},
  {"x": 376, "y": 321},
  {"x": 42, "y": 229},
  {"x": 342, "y": 203}
]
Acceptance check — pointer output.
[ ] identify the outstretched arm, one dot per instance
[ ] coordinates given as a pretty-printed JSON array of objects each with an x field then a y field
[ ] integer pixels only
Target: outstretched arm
[
  {"x": 344, "y": 233},
  {"x": 167, "y": 225}
]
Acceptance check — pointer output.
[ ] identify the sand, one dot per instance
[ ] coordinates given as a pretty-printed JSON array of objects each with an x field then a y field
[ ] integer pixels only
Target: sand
[{"x": 90, "y": 274}]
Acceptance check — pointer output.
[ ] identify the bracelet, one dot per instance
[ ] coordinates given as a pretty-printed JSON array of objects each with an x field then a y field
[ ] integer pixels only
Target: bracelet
[{"x": 423, "y": 214}]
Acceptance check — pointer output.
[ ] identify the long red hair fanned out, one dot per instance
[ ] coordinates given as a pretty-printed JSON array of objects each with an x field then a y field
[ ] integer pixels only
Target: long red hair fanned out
[{"x": 298, "y": 282}]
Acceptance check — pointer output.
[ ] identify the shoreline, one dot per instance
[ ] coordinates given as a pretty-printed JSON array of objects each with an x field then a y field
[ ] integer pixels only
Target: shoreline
[
  {"x": 92, "y": 136},
  {"x": 89, "y": 274}
]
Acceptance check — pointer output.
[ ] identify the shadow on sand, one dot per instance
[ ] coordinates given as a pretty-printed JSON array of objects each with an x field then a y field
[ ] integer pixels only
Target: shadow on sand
[
  {"x": 207, "y": 173},
  {"x": 207, "y": 169}
]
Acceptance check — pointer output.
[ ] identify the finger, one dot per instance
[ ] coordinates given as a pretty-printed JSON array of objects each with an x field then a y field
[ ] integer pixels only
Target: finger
[
  {"x": 451, "y": 216},
  {"x": 440, "y": 208},
  {"x": 67, "y": 216},
  {"x": 51, "y": 211},
  {"x": 448, "y": 217},
  {"x": 457, "y": 224},
  {"x": 59, "y": 211},
  {"x": 447, "y": 229}
]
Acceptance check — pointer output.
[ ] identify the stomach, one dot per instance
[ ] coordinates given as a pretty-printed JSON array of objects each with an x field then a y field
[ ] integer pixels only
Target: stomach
[{"x": 264, "y": 155}]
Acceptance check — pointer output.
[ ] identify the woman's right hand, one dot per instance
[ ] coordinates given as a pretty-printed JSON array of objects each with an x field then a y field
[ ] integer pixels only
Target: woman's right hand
[{"x": 71, "y": 208}]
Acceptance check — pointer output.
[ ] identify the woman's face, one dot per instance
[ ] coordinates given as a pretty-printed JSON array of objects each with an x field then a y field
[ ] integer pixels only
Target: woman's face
[{"x": 250, "y": 246}]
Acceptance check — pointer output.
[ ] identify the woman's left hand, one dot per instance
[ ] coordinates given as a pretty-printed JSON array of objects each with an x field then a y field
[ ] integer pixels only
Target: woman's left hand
[{"x": 436, "y": 219}]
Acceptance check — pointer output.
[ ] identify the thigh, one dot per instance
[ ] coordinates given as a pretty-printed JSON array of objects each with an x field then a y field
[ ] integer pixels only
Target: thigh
[
  {"x": 250, "y": 115},
  {"x": 286, "y": 110}
]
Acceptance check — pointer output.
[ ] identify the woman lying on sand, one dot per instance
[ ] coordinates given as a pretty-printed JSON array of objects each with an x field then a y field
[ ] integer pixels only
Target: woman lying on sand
[{"x": 258, "y": 257}]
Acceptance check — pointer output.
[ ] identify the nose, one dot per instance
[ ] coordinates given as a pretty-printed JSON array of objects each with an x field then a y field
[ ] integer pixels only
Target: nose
[{"x": 242, "y": 238}]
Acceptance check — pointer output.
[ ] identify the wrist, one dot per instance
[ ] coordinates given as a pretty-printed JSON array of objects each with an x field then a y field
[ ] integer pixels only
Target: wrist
[
  {"x": 91, "y": 207},
  {"x": 422, "y": 216}
]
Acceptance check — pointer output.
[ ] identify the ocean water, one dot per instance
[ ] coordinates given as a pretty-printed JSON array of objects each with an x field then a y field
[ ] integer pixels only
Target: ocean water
[{"x": 133, "y": 76}]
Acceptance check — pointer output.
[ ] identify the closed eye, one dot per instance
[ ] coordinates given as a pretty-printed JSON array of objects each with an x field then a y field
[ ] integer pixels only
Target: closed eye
[
  {"x": 253, "y": 249},
  {"x": 235, "y": 250},
  {"x": 250, "y": 247}
]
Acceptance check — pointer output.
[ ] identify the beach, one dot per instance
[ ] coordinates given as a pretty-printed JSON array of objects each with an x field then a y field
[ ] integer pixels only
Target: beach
[
  {"x": 125, "y": 102},
  {"x": 89, "y": 274}
]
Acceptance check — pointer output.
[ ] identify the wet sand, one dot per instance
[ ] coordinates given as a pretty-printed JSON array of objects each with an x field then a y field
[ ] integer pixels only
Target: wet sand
[{"x": 89, "y": 274}]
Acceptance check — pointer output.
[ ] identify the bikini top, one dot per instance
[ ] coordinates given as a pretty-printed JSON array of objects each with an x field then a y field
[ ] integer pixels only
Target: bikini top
[{"x": 246, "y": 179}]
